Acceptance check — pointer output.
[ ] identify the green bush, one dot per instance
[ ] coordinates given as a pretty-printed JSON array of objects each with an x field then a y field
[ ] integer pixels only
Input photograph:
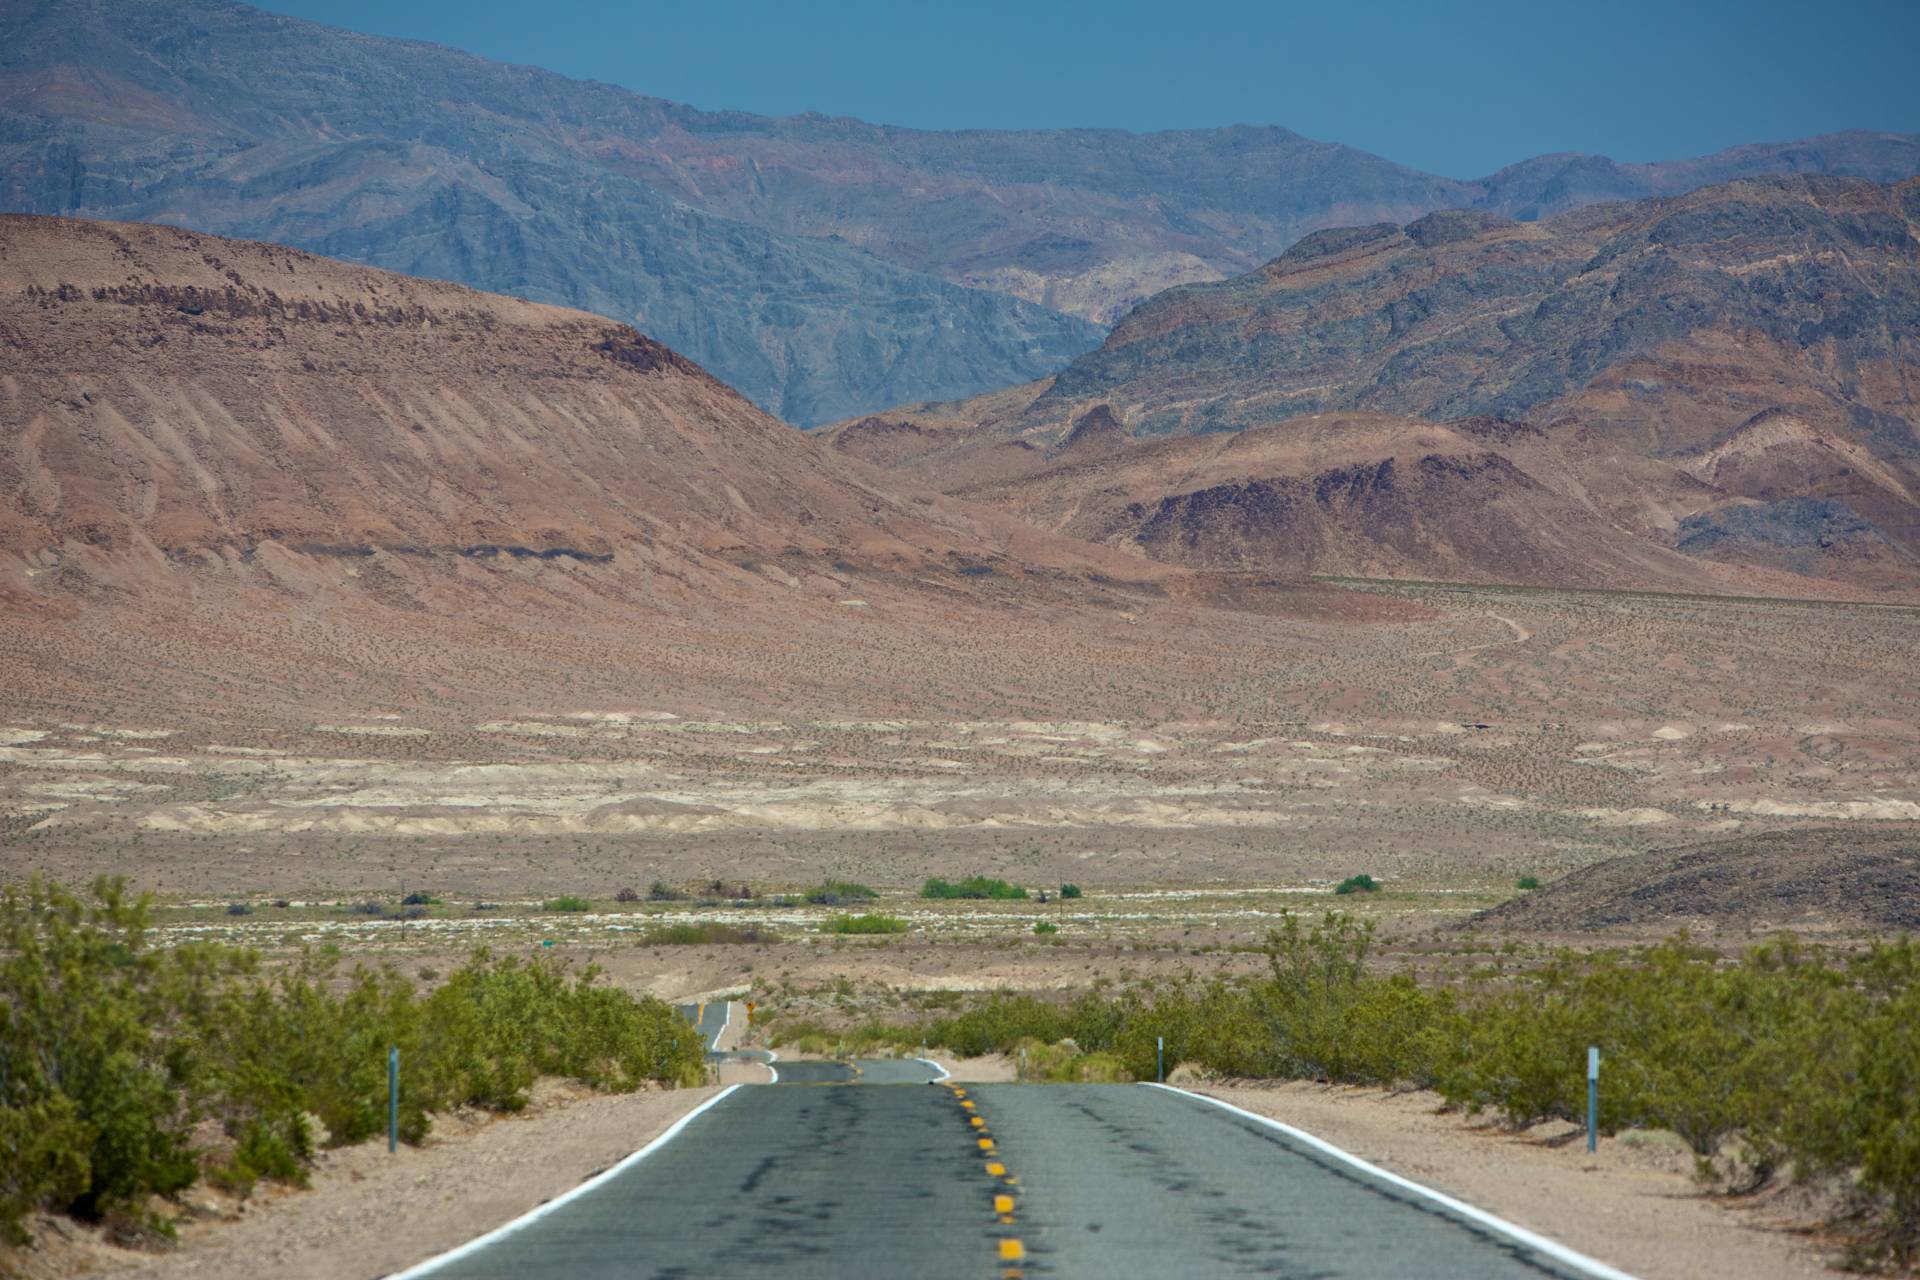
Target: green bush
[
  {"x": 1527, "y": 884},
  {"x": 704, "y": 934},
  {"x": 1066, "y": 1063},
  {"x": 998, "y": 1023},
  {"x": 113, "y": 1051},
  {"x": 1069, "y": 890},
  {"x": 840, "y": 893},
  {"x": 872, "y": 922},
  {"x": 1045, "y": 927},
  {"x": 567, "y": 902},
  {"x": 1362, "y": 883},
  {"x": 973, "y": 887}
]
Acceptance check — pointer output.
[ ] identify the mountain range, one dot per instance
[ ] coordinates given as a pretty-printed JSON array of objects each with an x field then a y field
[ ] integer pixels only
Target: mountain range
[
  {"x": 825, "y": 267},
  {"x": 1639, "y": 393}
]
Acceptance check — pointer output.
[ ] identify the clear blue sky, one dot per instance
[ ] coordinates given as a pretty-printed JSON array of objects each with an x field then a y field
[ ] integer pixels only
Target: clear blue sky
[{"x": 1455, "y": 88}]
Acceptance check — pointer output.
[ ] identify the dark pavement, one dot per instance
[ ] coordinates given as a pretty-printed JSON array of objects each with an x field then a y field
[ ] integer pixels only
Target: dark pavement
[{"x": 851, "y": 1178}]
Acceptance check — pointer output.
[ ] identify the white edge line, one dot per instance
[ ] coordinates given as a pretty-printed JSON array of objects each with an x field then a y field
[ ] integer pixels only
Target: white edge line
[
  {"x": 944, "y": 1073},
  {"x": 1538, "y": 1243},
  {"x": 773, "y": 1056},
  {"x": 725, "y": 1021},
  {"x": 540, "y": 1211}
]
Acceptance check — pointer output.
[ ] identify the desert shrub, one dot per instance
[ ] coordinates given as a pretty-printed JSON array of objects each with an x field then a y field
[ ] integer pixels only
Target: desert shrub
[
  {"x": 704, "y": 933},
  {"x": 973, "y": 887},
  {"x": 1069, "y": 890},
  {"x": 1362, "y": 883},
  {"x": 1064, "y": 1062},
  {"x": 720, "y": 889},
  {"x": 1527, "y": 884},
  {"x": 419, "y": 898},
  {"x": 873, "y": 922},
  {"x": 628, "y": 894},
  {"x": 998, "y": 1023},
  {"x": 239, "y": 909},
  {"x": 366, "y": 909},
  {"x": 868, "y": 1039},
  {"x": 86, "y": 1076},
  {"x": 567, "y": 902},
  {"x": 840, "y": 893},
  {"x": 1045, "y": 927},
  {"x": 113, "y": 1051},
  {"x": 661, "y": 891}
]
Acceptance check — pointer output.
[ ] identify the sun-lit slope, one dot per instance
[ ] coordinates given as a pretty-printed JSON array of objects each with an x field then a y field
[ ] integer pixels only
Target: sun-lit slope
[
  {"x": 1705, "y": 393},
  {"x": 239, "y": 478},
  {"x": 183, "y": 397}
]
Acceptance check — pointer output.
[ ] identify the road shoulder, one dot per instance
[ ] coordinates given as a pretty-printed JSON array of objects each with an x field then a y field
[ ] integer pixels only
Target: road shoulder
[
  {"x": 1631, "y": 1204},
  {"x": 369, "y": 1213}
]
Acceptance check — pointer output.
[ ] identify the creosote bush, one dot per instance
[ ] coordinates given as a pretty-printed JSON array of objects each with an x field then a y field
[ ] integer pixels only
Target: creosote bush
[
  {"x": 872, "y": 922},
  {"x": 973, "y": 887},
  {"x": 840, "y": 893},
  {"x": 1362, "y": 883},
  {"x": 704, "y": 933},
  {"x": 113, "y": 1051},
  {"x": 567, "y": 902}
]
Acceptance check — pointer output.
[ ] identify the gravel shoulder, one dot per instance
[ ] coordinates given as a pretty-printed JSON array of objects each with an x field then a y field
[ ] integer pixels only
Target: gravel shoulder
[
  {"x": 369, "y": 1213},
  {"x": 1633, "y": 1204}
]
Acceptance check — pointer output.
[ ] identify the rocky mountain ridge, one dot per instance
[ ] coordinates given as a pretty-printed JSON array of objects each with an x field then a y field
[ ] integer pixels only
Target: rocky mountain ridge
[{"x": 1720, "y": 380}]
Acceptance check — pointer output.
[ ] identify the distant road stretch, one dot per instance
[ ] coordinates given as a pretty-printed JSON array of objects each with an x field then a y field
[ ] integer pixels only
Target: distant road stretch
[{"x": 847, "y": 1170}]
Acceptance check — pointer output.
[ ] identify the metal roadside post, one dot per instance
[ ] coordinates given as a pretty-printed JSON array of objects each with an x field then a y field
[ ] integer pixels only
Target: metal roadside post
[
  {"x": 1160, "y": 1059},
  {"x": 393, "y": 1099},
  {"x": 1593, "y": 1097}
]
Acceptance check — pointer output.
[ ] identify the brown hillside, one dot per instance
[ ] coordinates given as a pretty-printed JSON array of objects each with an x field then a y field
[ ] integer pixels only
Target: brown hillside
[
  {"x": 286, "y": 480},
  {"x": 1826, "y": 878}
]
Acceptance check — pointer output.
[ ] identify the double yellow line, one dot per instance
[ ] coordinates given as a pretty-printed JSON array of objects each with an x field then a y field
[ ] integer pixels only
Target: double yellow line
[{"x": 1012, "y": 1250}]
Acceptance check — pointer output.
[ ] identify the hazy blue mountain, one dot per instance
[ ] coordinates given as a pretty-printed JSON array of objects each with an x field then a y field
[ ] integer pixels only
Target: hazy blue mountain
[{"x": 825, "y": 267}]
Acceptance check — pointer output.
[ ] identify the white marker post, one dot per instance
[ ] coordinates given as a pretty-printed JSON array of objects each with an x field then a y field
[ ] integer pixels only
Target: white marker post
[
  {"x": 1160, "y": 1058},
  {"x": 1593, "y": 1097},
  {"x": 393, "y": 1099}
]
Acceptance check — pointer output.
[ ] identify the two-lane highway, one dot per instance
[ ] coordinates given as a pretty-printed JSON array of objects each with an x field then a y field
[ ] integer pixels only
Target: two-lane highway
[{"x": 850, "y": 1177}]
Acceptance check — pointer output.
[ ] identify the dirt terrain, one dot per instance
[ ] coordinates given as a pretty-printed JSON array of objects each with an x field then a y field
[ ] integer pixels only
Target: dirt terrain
[
  {"x": 1505, "y": 734},
  {"x": 318, "y": 579},
  {"x": 1821, "y": 881}
]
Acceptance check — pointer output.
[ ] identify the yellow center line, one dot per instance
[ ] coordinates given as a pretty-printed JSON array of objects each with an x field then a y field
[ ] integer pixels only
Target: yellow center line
[{"x": 1012, "y": 1250}]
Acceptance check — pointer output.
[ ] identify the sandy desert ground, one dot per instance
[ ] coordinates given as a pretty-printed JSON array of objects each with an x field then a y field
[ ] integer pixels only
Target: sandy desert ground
[{"x": 1508, "y": 733}]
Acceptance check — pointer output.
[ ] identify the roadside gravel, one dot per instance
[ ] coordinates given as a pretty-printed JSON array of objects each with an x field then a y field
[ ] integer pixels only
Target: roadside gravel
[{"x": 1632, "y": 1204}]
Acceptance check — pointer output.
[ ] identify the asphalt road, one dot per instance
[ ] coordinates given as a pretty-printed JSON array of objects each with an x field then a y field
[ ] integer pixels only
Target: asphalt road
[
  {"x": 710, "y": 1018},
  {"x": 1107, "y": 1181}
]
